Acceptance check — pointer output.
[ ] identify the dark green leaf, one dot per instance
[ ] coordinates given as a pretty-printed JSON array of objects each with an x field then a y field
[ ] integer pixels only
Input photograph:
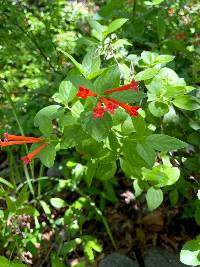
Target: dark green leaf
[
  {"x": 129, "y": 96},
  {"x": 154, "y": 198},
  {"x": 47, "y": 155},
  {"x": 97, "y": 128},
  {"x": 186, "y": 102},
  {"x": 146, "y": 152},
  {"x": 109, "y": 79},
  {"x": 162, "y": 142}
]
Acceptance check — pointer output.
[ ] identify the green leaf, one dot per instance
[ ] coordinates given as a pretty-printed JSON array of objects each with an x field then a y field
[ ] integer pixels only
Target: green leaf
[
  {"x": 154, "y": 198},
  {"x": 146, "y": 152},
  {"x": 28, "y": 210},
  {"x": 80, "y": 81},
  {"x": 55, "y": 261},
  {"x": 132, "y": 157},
  {"x": 90, "y": 172},
  {"x": 58, "y": 203},
  {"x": 115, "y": 25},
  {"x": 137, "y": 188},
  {"x": 22, "y": 197},
  {"x": 11, "y": 205},
  {"x": 128, "y": 96},
  {"x": 78, "y": 65},
  {"x": 198, "y": 194},
  {"x": 97, "y": 29},
  {"x": 44, "y": 117},
  {"x": 161, "y": 175},
  {"x": 4, "y": 262},
  {"x": 106, "y": 170},
  {"x": 45, "y": 207},
  {"x": 186, "y": 102},
  {"x": 72, "y": 136},
  {"x": 130, "y": 168},
  {"x": 66, "y": 94},
  {"x": 148, "y": 57},
  {"x": 173, "y": 197},
  {"x": 158, "y": 109},
  {"x": 7, "y": 183},
  {"x": 89, "y": 244},
  {"x": 162, "y": 142},
  {"x": 190, "y": 253},
  {"x": 109, "y": 79},
  {"x": 153, "y": 2},
  {"x": 70, "y": 246},
  {"x": 164, "y": 58},
  {"x": 146, "y": 74},
  {"x": 17, "y": 264},
  {"x": 139, "y": 125},
  {"x": 97, "y": 128},
  {"x": 47, "y": 155},
  {"x": 91, "y": 61},
  {"x": 127, "y": 126}
]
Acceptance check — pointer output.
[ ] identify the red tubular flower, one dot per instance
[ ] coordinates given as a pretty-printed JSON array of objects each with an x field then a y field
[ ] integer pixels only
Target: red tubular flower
[
  {"x": 27, "y": 159},
  {"x": 133, "y": 85},
  {"x": 9, "y": 137},
  {"x": 133, "y": 110},
  {"x": 109, "y": 106},
  {"x": 98, "y": 111},
  {"x": 84, "y": 92},
  {"x": 11, "y": 143}
]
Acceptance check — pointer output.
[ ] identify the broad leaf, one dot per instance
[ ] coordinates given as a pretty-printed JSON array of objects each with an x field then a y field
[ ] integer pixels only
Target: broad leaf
[
  {"x": 44, "y": 118},
  {"x": 154, "y": 198},
  {"x": 72, "y": 136},
  {"x": 128, "y": 96},
  {"x": 66, "y": 94},
  {"x": 78, "y": 65},
  {"x": 161, "y": 175},
  {"x": 115, "y": 25},
  {"x": 146, "y": 74},
  {"x": 146, "y": 152},
  {"x": 97, "y": 128},
  {"x": 90, "y": 171},
  {"x": 186, "y": 102},
  {"x": 162, "y": 142},
  {"x": 58, "y": 203},
  {"x": 47, "y": 155},
  {"x": 190, "y": 253},
  {"x": 109, "y": 79},
  {"x": 29, "y": 210},
  {"x": 158, "y": 109},
  {"x": 91, "y": 61}
]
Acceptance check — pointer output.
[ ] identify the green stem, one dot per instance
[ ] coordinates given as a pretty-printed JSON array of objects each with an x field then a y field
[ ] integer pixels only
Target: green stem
[
  {"x": 40, "y": 175},
  {"x": 22, "y": 133},
  {"x": 99, "y": 212}
]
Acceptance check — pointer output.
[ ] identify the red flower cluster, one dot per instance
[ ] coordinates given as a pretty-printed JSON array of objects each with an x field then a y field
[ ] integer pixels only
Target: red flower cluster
[
  {"x": 10, "y": 140},
  {"x": 107, "y": 104},
  {"x": 84, "y": 92}
]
